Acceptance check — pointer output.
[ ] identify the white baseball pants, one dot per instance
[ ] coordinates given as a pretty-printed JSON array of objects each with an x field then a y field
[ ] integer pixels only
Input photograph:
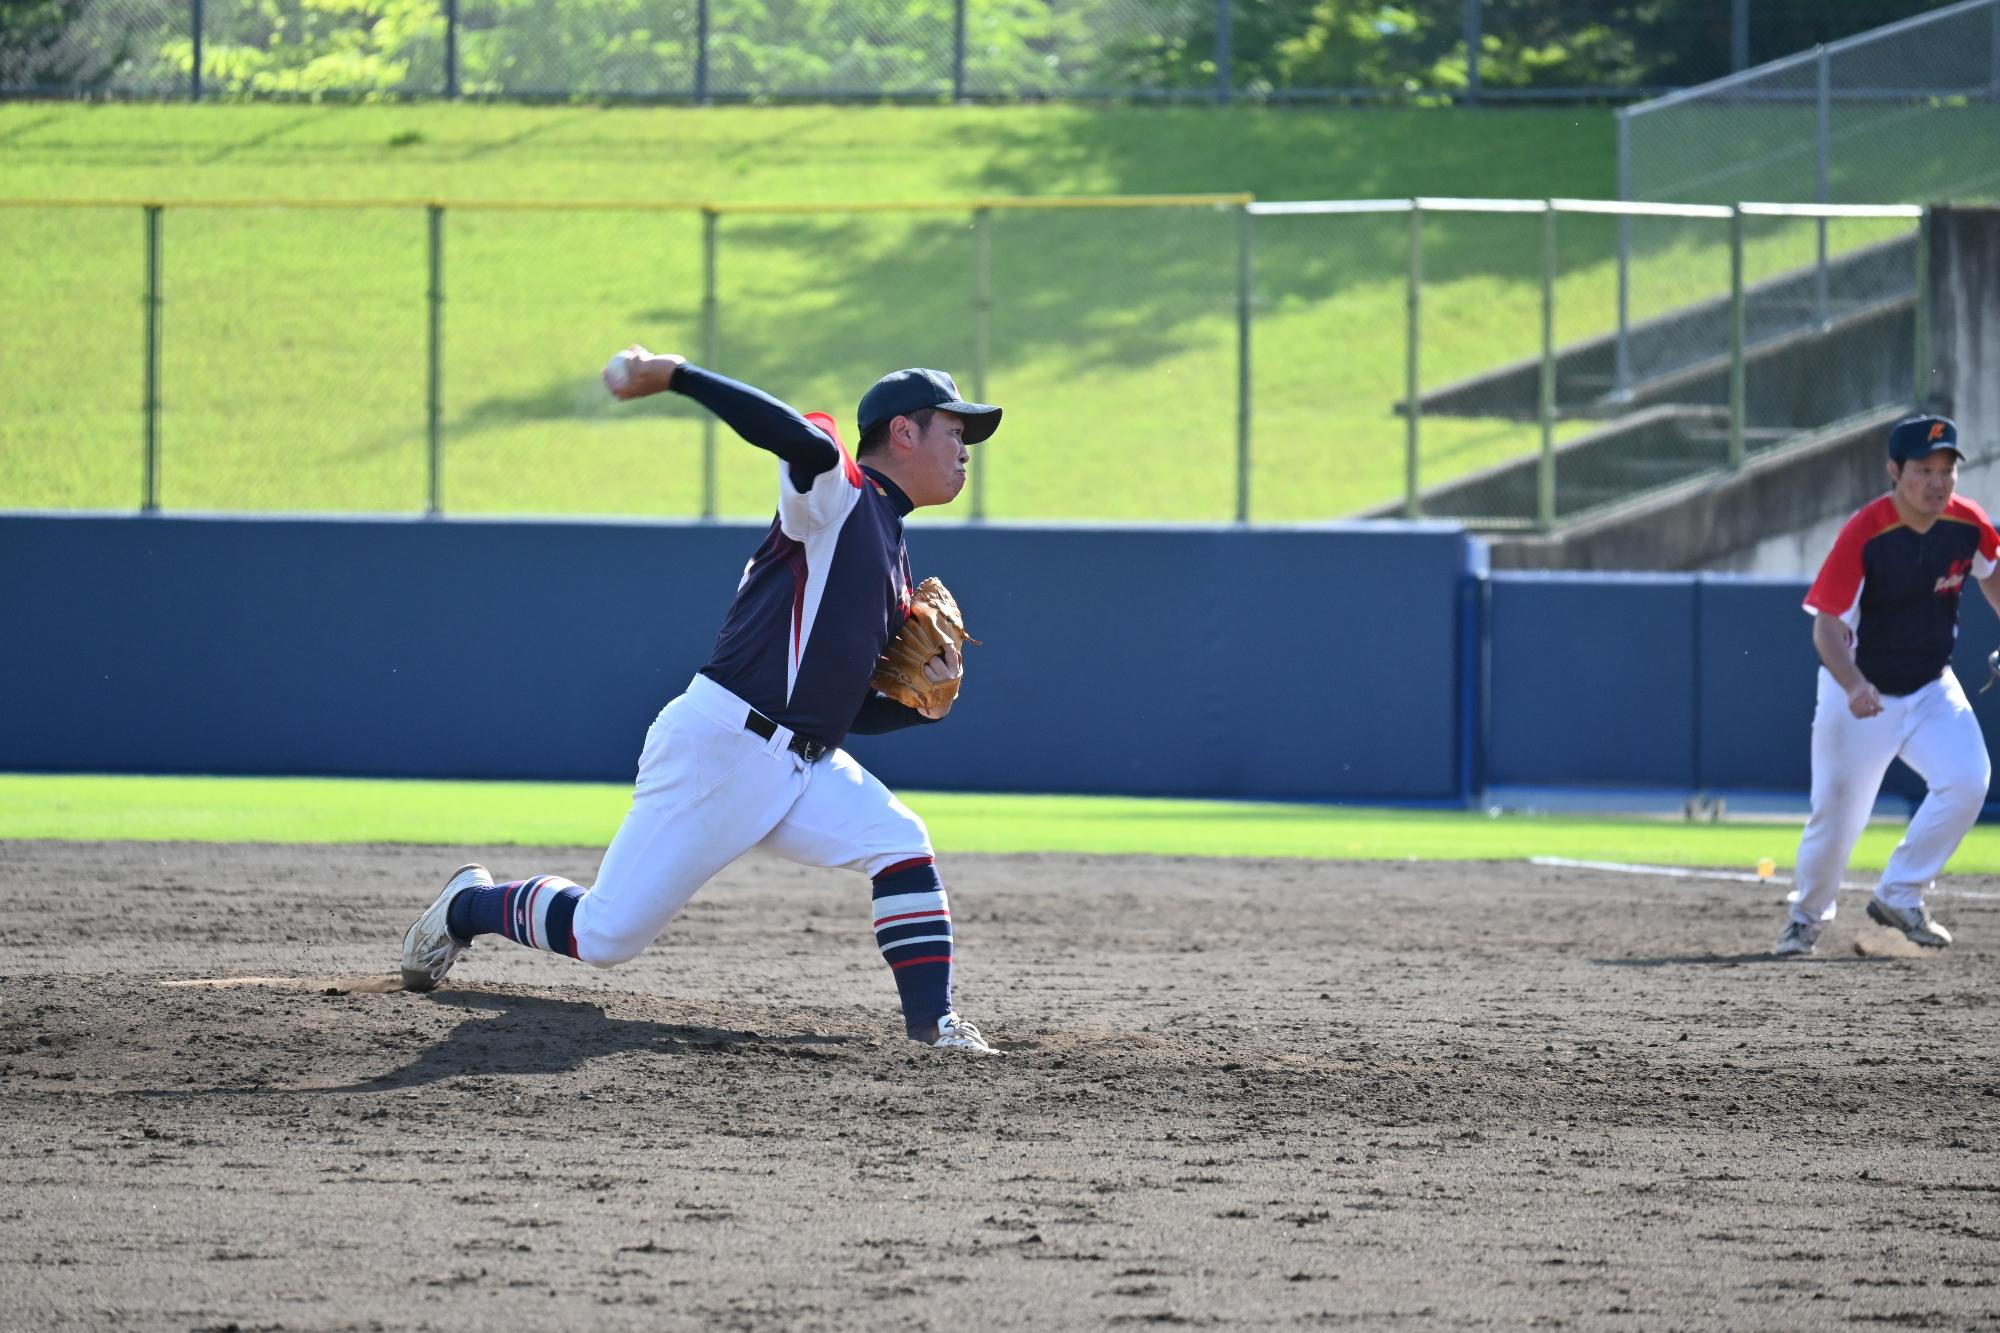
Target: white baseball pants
[
  {"x": 1932, "y": 730},
  {"x": 709, "y": 791}
]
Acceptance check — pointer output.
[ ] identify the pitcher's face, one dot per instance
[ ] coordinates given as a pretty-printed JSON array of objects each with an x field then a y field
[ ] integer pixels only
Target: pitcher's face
[{"x": 937, "y": 461}]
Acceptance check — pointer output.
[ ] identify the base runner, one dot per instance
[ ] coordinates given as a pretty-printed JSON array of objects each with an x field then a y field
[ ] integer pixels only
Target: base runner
[
  {"x": 1885, "y": 617},
  {"x": 749, "y": 756}
]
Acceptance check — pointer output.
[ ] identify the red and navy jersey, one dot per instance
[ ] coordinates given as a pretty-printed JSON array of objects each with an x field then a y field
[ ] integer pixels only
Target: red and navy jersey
[
  {"x": 829, "y": 585},
  {"x": 1897, "y": 589}
]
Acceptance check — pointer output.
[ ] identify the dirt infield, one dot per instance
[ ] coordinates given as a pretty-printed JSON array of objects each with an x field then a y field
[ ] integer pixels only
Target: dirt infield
[{"x": 1242, "y": 1094}]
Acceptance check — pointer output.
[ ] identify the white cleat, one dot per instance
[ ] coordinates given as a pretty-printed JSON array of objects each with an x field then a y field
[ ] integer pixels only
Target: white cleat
[
  {"x": 1798, "y": 939},
  {"x": 1915, "y": 922},
  {"x": 429, "y": 947},
  {"x": 955, "y": 1034}
]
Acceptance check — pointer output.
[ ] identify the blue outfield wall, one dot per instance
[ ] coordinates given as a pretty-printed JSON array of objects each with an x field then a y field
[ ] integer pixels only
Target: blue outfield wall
[
  {"x": 1677, "y": 681},
  {"x": 1362, "y": 662},
  {"x": 1590, "y": 677},
  {"x": 1318, "y": 663}
]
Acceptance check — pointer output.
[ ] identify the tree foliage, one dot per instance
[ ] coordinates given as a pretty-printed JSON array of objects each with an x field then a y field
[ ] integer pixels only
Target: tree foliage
[
  {"x": 1300, "y": 47},
  {"x": 69, "y": 44},
  {"x": 781, "y": 48}
]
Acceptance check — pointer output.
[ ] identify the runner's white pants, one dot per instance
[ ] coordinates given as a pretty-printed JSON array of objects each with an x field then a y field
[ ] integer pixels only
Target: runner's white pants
[
  {"x": 1934, "y": 731},
  {"x": 709, "y": 791}
]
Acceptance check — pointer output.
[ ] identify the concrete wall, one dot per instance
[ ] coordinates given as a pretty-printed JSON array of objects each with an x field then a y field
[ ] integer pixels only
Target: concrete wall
[
  {"x": 1964, "y": 381},
  {"x": 1775, "y": 517},
  {"x": 1779, "y": 517}
]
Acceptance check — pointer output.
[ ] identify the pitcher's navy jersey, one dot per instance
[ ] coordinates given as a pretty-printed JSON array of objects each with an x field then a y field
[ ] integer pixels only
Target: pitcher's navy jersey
[
  {"x": 1897, "y": 589},
  {"x": 827, "y": 588}
]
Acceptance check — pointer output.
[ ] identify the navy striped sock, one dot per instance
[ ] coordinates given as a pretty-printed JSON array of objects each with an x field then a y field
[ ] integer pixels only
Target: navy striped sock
[
  {"x": 536, "y": 912},
  {"x": 913, "y": 930}
]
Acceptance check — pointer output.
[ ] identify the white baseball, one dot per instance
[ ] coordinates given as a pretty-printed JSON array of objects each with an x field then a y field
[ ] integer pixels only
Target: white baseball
[{"x": 618, "y": 373}]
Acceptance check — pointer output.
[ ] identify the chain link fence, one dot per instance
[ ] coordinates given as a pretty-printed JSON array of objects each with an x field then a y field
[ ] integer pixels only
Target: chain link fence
[
  {"x": 1462, "y": 51},
  {"x": 1907, "y": 113},
  {"x": 1203, "y": 358}
]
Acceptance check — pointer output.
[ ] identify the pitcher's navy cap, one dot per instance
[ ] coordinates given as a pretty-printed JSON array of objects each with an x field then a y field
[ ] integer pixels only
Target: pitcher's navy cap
[
  {"x": 1917, "y": 437},
  {"x": 902, "y": 392}
]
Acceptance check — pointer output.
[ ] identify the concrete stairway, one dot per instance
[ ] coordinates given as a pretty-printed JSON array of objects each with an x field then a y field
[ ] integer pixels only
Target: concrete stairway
[{"x": 1799, "y": 382}]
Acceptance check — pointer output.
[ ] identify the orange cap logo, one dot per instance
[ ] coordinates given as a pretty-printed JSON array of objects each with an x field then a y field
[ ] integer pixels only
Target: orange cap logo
[{"x": 1937, "y": 430}]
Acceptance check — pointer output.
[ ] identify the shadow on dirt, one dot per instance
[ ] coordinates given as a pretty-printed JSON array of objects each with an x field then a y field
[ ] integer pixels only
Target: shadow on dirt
[
  {"x": 1734, "y": 960},
  {"x": 530, "y": 1034}
]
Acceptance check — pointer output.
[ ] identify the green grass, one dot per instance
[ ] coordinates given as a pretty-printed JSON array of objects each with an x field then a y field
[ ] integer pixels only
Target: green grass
[
  {"x": 311, "y": 810},
  {"x": 293, "y": 362},
  {"x": 293, "y": 371},
  {"x": 786, "y": 154}
]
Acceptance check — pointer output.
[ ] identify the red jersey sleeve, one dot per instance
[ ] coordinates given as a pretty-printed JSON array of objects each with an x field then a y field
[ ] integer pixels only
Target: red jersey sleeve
[
  {"x": 1837, "y": 590},
  {"x": 1989, "y": 541}
]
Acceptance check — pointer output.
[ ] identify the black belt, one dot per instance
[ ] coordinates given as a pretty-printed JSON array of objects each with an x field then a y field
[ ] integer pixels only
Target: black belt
[{"x": 808, "y": 750}]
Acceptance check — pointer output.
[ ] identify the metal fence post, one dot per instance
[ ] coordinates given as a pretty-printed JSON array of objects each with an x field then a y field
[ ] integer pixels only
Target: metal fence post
[
  {"x": 434, "y": 379},
  {"x": 451, "y": 48},
  {"x": 1244, "y": 279},
  {"x": 1738, "y": 387},
  {"x": 149, "y": 502},
  {"x": 958, "y": 50},
  {"x": 701, "y": 53},
  {"x": 1545, "y": 407},
  {"x": 1825, "y": 121},
  {"x": 197, "y": 19},
  {"x": 1739, "y": 36},
  {"x": 982, "y": 334},
  {"x": 1223, "y": 55},
  {"x": 1921, "y": 370},
  {"x": 1621, "y": 374},
  {"x": 710, "y": 341},
  {"x": 1412, "y": 366},
  {"x": 1472, "y": 40}
]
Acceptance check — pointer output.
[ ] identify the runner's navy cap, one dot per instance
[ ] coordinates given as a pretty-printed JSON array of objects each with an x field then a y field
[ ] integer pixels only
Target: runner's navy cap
[
  {"x": 1921, "y": 436},
  {"x": 902, "y": 392}
]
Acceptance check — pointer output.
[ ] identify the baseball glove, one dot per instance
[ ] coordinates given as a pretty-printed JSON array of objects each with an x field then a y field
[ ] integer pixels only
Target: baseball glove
[{"x": 934, "y": 623}]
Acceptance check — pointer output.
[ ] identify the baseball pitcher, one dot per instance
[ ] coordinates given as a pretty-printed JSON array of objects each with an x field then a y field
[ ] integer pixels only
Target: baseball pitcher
[
  {"x": 826, "y": 636},
  {"x": 1885, "y": 617}
]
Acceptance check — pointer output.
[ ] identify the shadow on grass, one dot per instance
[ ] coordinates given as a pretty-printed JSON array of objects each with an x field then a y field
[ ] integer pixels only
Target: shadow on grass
[
  {"x": 258, "y": 140},
  {"x": 541, "y": 126},
  {"x": 568, "y": 398},
  {"x": 1113, "y": 293},
  {"x": 28, "y": 127},
  {"x": 1109, "y": 293}
]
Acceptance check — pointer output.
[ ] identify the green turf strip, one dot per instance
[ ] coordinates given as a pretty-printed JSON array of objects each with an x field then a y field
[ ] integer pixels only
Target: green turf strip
[
  {"x": 314, "y": 810},
  {"x": 794, "y": 154}
]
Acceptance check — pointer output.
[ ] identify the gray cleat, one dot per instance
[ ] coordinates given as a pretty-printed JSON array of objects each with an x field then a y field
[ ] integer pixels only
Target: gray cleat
[
  {"x": 429, "y": 947},
  {"x": 1914, "y": 922},
  {"x": 1798, "y": 939}
]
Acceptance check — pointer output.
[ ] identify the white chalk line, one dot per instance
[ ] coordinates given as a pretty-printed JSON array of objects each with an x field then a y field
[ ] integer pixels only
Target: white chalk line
[
  {"x": 361, "y": 985},
  {"x": 1732, "y": 876}
]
